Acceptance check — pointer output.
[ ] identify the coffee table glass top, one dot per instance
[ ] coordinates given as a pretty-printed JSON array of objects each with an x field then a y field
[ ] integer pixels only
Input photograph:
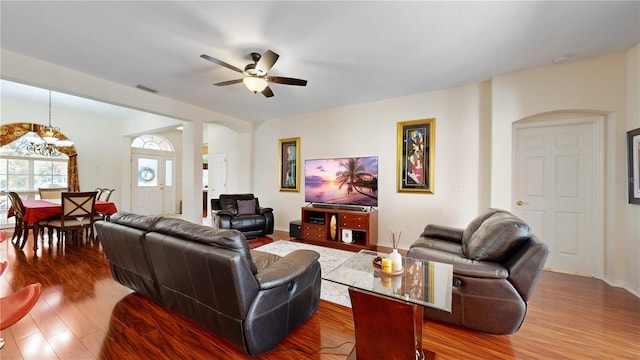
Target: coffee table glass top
[{"x": 422, "y": 282}]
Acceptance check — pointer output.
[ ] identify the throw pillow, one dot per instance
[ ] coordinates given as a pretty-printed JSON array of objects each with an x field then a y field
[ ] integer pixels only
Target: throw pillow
[{"x": 246, "y": 207}]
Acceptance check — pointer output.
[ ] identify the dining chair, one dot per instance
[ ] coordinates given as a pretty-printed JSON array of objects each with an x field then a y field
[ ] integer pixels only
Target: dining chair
[
  {"x": 51, "y": 192},
  {"x": 21, "y": 227},
  {"x": 105, "y": 194},
  {"x": 78, "y": 212}
]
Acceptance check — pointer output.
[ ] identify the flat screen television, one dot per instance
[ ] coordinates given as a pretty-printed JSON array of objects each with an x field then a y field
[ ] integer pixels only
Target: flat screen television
[{"x": 342, "y": 181}]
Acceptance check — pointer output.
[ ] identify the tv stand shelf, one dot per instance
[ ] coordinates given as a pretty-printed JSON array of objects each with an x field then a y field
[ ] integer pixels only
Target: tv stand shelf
[{"x": 324, "y": 226}]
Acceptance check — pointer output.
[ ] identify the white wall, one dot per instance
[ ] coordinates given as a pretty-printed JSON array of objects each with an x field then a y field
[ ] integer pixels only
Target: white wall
[
  {"x": 473, "y": 143},
  {"x": 370, "y": 130},
  {"x": 632, "y": 240},
  {"x": 93, "y": 136},
  {"x": 239, "y": 148},
  {"x": 473, "y": 148}
]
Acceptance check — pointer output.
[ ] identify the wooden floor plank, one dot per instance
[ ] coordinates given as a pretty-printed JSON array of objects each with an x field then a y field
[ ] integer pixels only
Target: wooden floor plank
[{"x": 85, "y": 314}]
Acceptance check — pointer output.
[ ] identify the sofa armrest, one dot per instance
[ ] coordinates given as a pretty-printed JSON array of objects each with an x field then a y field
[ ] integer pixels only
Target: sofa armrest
[
  {"x": 461, "y": 265},
  {"x": 526, "y": 265},
  {"x": 287, "y": 269},
  {"x": 442, "y": 232},
  {"x": 215, "y": 204},
  {"x": 263, "y": 210}
]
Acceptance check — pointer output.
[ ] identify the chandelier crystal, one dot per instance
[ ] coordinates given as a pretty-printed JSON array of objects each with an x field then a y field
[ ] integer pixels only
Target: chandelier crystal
[{"x": 47, "y": 143}]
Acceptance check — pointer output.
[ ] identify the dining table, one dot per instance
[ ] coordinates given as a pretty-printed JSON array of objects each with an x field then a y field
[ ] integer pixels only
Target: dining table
[{"x": 37, "y": 210}]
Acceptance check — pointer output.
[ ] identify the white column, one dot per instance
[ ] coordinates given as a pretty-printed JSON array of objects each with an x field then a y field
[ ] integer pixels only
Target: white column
[{"x": 192, "y": 171}]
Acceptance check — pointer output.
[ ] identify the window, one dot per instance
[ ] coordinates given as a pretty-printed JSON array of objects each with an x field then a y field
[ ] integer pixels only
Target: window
[
  {"x": 28, "y": 174},
  {"x": 152, "y": 142}
]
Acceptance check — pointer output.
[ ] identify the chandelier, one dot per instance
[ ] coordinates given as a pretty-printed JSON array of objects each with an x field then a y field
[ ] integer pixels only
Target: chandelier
[{"x": 46, "y": 142}]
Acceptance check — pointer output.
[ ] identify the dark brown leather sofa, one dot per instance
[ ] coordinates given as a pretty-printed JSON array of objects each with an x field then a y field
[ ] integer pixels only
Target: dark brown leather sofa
[
  {"x": 496, "y": 263},
  {"x": 242, "y": 212},
  {"x": 248, "y": 298}
]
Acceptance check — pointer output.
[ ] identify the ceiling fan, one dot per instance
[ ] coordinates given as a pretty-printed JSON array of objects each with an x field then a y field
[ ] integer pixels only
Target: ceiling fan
[{"x": 255, "y": 75}]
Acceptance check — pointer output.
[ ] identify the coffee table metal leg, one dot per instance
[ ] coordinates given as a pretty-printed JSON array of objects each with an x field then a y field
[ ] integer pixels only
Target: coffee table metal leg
[{"x": 386, "y": 328}]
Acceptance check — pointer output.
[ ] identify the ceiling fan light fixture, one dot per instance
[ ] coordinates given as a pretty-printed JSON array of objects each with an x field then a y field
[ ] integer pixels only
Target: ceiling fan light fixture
[{"x": 255, "y": 84}]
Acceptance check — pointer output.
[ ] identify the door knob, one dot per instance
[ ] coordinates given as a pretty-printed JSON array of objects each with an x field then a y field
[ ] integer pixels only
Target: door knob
[{"x": 520, "y": 203}]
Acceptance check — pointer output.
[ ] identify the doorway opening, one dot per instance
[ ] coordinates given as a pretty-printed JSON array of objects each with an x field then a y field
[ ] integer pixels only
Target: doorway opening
[{"x": 153, "y": 176}]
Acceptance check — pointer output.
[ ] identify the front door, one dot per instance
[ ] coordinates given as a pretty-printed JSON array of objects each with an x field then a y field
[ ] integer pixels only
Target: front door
[
  {"x": 554, "y": 189},
  {"x": 153, "y": 190}
]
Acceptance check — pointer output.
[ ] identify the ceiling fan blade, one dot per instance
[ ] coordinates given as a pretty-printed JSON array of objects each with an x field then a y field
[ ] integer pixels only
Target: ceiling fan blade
[
  {"x": 267, "y": 92},
  {"x": 266, "y": 62},
  {"x": 230, "y": 82},
  {"x": 220, "y": 62},
  {"x": 287, "y": 80}
]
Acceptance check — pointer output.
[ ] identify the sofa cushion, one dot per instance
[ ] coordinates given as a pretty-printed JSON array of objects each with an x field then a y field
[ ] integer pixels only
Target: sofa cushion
[
  {"x": 222, "y": 238},
  {"x": 497, "y": 238},
  {"x": 246, "y": 207},
  {"x": 475, "y": 224},
  {"x": 141, "y": 222},
  {"x": 248, "y": 222},
  {"x": 230, "y": 205}
]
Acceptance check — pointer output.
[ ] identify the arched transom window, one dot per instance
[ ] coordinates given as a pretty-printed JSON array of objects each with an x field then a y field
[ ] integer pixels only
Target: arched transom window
[{"x": 152, "y": 142}]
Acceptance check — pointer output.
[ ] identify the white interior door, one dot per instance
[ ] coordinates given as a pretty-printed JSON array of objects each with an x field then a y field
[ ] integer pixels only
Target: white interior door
[
  {"x": 217, "y": 174},
  {"x": 153, "y": 190},
  {"x": 554, "y": 190}
]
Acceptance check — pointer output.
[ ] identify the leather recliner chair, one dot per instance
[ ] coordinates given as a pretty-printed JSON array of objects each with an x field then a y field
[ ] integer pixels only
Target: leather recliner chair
[
  {"x": 242, "y": 212},
  {"x": 496, "y": 263}
]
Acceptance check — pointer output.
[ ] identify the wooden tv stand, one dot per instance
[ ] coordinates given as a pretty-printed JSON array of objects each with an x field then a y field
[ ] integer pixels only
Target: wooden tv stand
[{"x": 323, "y": 226}]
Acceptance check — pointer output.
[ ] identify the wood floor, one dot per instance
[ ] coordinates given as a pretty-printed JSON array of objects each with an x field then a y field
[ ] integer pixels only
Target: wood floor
[{"x": 84, "y": 314}]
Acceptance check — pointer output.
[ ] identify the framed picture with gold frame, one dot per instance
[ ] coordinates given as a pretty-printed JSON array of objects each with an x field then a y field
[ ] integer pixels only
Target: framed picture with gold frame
[
  {"x": 416, "y": 155},
  {"x": 289, "y": 150}
]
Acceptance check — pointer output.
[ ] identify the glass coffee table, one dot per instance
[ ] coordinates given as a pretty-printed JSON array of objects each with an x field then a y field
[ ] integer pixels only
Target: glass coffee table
[{"x": 388, "y": 309}]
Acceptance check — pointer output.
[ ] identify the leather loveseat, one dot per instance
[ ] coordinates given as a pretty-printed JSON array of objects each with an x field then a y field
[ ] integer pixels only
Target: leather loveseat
[
  {"x": 496, "y": 263},
  {"x": 249, "y": 298},
  {"x": 242, "y": 212}
]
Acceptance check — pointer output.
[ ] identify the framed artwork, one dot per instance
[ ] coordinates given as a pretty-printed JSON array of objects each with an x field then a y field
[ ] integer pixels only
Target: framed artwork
[
  {"x": 290, "y": 164},
  {"x": 633, "y": 155},
  {"x": 416, "y": 155}
]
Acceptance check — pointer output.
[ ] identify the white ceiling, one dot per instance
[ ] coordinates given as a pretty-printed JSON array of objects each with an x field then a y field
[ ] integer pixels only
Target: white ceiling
[{"x": 350, "y": 52}]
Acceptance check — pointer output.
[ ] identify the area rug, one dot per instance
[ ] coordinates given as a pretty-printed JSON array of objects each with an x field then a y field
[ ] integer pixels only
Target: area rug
[{"x": 329, "y": 259}]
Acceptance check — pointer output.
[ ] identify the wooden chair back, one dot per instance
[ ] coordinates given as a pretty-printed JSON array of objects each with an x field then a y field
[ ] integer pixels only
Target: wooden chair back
[
  {"x": 18, "y": 206},
  {"x": 51, "y": 192},
  {"x": 105, "y": 194},
  {"x": 78, "y": 204}
]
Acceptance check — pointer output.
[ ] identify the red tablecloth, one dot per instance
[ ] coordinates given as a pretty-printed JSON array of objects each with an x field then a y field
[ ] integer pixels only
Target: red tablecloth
[{"x": 36, "y": 210}]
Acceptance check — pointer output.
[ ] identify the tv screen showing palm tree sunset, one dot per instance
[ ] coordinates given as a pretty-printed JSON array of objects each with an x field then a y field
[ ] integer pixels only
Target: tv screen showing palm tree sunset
[{"x": 342, "y": 181}]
